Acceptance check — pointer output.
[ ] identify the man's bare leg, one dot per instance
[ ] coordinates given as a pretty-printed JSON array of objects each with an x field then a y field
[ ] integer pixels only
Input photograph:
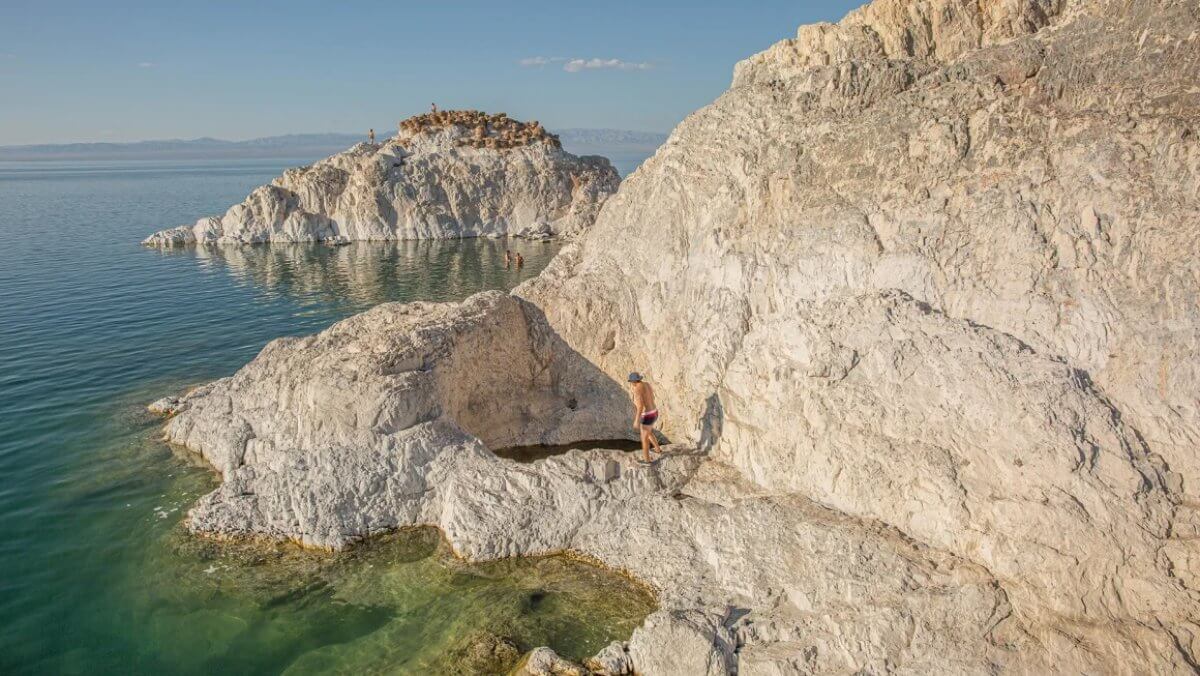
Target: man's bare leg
[
  {"x": 646, "y": 443},
  {"x": 654, "y": 440}
]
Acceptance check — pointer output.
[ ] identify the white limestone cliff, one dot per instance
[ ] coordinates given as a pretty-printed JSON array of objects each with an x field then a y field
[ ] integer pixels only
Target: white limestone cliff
[
  {"x": 920, "y": 297},
  {"x": 455, "y": 174}
]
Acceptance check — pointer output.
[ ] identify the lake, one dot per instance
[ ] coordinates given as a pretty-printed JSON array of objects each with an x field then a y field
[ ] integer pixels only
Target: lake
[{"x": 99, "y": 576}]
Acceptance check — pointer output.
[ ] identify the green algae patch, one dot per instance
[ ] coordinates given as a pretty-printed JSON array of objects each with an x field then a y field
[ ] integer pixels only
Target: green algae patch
[{"x": 398, "y": 603}]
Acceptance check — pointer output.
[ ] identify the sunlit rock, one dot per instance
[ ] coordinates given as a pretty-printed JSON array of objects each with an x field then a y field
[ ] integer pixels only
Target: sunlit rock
[
  {"x": 445, "y": 175},
  {"x": 919, "y": 296}
]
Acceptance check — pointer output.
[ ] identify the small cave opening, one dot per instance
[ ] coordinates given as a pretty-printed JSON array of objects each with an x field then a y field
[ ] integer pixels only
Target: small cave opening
[{"x": 527, "y": 454}]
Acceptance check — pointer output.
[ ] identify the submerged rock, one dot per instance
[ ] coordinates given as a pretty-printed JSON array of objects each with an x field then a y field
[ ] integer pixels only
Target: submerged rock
[
  {"x": 485, "y": 654},
  {"x": 546, "y": 662},
  {"x": 919, "y": 296},
  {"x": 164, "y": 406},
  {"x": 463, "y": 174}
]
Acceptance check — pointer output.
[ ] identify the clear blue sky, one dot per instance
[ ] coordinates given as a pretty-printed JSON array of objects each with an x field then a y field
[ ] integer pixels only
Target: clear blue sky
[{"x": 118, "y": 71}]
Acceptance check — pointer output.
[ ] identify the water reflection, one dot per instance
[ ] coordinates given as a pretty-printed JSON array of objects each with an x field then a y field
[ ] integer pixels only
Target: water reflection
[{"x": 362, "y": 274}]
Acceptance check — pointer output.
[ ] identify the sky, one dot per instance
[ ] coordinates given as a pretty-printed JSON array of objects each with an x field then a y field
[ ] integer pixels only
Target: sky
[{"x": 123, "y": 71}]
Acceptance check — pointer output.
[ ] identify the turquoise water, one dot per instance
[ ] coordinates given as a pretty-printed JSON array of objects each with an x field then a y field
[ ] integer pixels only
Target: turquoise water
[{"x": 98, "y": 577}]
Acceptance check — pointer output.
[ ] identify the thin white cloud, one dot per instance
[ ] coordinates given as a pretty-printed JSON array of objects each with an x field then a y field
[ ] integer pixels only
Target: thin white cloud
[
  {"x": 146, "y": 64},
  {"x": 575, "y": 65}
]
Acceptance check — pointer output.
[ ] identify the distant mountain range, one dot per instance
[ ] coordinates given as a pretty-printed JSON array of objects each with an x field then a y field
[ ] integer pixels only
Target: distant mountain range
[
  {"x": 579, "y": 141},
  {"x": 611, "y": 137}
]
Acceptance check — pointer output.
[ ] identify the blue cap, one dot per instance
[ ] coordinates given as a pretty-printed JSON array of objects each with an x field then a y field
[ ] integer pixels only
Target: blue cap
[{"x": 635, "y": 377}]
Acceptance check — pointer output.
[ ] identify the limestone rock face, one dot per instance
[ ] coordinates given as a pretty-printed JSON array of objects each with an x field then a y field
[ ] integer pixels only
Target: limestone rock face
[
  {"x": 367, "y": 405},
  {"x": 428, "y": 182},
  {"x": 920, "y": 299},
  {"x": 936, "y": 267}
]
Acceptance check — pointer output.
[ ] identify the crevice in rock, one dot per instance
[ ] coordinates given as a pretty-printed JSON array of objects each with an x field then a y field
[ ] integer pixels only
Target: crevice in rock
[{"x": 535, "y": 452}]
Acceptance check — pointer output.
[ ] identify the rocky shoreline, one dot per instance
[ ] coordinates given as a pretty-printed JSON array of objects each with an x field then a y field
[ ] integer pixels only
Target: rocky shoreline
[
  {"x": 444, "y": 175},
  {"x": 919, "y": 295}
]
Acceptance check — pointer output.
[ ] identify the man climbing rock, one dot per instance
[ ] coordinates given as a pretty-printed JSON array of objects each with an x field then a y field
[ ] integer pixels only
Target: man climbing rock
[{"x": 645, "y": 415}]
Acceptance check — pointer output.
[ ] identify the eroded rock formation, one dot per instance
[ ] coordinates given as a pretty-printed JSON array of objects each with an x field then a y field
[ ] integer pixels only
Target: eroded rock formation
[
  {"x": 919, "y": 296},
  {"x": 445, "y": 175},
  {"x": 484, "y": 131}
]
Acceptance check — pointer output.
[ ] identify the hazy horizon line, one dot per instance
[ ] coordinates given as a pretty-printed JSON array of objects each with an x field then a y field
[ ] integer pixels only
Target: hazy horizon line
[{"x": 180, "y": 139}]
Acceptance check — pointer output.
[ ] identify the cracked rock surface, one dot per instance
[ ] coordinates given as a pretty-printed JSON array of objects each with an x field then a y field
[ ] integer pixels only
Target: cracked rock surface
[
  {"x": 421, "y": 184},
  {"x": 919, "y": 298}
]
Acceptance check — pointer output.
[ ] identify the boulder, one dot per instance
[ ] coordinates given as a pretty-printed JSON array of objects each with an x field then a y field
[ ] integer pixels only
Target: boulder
[
  {"x": 612, "y": 660},
  {"x": 546, "y": 662},
  {"x": 682, "y": 642}
]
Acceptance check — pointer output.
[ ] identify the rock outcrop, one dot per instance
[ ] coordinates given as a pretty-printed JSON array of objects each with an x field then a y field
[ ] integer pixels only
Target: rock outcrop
[
  {"x": 374, "y": 405},
  {"x": 445, "y": 175},
  {"x": 921, "y": 301},
  {"x": 935, "y": 266}
]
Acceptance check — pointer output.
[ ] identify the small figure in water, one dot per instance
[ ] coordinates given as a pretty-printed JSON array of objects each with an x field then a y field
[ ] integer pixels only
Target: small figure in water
[
  {"x": 507, "y": 258},
  {"x": 520, "y": 260},
  {"x": 371, "y": 135},
  {"x": 645, "y": 415}
]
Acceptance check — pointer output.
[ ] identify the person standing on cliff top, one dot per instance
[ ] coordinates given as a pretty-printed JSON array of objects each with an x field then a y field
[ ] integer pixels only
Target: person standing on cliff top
[
  {"x": 645, "y": 414},
  {"x": 433, "y": 107},
  {"x": 371, "y": 135}
]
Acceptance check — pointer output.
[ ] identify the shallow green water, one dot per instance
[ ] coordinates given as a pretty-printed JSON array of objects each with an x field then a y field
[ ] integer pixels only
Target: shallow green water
[{"x": 98, "y": 576}]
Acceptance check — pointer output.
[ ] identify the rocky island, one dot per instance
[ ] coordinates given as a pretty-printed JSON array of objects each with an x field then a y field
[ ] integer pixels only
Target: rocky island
[
  {"x": 445, "y": 175},
  {"x": 920, "y": 298}
]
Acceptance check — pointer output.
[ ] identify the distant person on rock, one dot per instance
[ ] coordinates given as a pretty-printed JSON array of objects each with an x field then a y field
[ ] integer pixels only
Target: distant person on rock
[
  {"x": 371, "y": 135},
  {"x": 645, "y": 415},
  {"x": 433, "y": 107}
]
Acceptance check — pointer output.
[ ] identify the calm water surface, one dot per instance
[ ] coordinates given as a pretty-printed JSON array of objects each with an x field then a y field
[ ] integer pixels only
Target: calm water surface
[{"x": 98, "y": 577}]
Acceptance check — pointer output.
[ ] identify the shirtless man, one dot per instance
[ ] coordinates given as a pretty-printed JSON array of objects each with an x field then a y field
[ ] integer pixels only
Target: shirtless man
[
  {"x": 520, "y": 260},
  {"x": 371, "y": 135},
  {"x": 645, "y": 414},
  {"x": 507, "y": 258}
]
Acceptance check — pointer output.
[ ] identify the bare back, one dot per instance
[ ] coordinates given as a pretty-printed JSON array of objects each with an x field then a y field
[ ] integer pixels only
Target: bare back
[{"x": 643, "y": 397}]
